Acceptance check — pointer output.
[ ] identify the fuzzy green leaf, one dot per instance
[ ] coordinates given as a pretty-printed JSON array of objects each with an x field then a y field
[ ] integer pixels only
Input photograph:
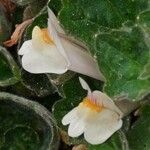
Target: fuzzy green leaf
[
  {"x": 9, "y": 71},
  {"x": 139, "y": 134},
  {"x": 117, "y": 33},
  {"x": 25, "y": 124}
]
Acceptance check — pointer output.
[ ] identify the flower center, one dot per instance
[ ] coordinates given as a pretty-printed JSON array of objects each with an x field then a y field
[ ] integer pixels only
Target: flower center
[
  {"x": 46, "y": 37},
  {"x": 91, "y": 104}
]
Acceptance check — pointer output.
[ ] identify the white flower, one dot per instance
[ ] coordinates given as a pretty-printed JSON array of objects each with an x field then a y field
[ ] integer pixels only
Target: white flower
[
  {"x": 48, "y": 52},
  {"x": 97, "y": 117}
]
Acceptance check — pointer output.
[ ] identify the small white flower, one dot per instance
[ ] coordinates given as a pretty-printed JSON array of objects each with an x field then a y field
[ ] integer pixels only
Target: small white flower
[
  {"x": 97, "y": 117},
  {"x": 48, "y": 52}
]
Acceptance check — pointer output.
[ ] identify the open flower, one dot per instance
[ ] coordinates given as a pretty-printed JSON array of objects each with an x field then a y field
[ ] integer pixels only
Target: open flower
[
  {"x": 48, "y": 52},
  {"x": 96, "y": 116}
]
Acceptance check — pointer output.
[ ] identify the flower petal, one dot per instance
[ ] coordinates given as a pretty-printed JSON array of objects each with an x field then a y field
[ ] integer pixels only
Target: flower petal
[
  {"x": 25, "y": 48},
  {"x": 99, "y": 130},
  {"x": 106, "y": 101},
  {"x": 40, "y": 38},
  {"x": 70, "y": 116},
  {"x": 41, "y": 57},
  {"x": 46, "y": 61},
  {"x": 84, "y": 85},
  {"x": 81, "y": 61},
  {"x": 55, "y": 21},
  {"x": 76, "y": 128},
  {"x": 53, "y": 34},
  {"x": 37, "y": 38}
]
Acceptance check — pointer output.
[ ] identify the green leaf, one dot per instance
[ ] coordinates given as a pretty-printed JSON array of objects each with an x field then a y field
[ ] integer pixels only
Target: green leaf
[
  {"x": 55, "y": 6},
  {"x": 5, "y": 25},
  {"x": 9, "y": 71},
  {"x": 27, "y": 136},
  {"x": 146, "y": 72},
  {"x": 125, "y": 66},
  {"x": 139, "y": 134},
  {"x": 38, "y": 84},
  {"x": 25, "y": 124},
  {"x": 117, "y": 33}
]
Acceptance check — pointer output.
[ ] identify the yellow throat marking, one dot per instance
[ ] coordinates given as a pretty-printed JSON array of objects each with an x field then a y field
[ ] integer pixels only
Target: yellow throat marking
[
  {"x": 46, "y": 37},
  {"x": 93, "y": 106}
]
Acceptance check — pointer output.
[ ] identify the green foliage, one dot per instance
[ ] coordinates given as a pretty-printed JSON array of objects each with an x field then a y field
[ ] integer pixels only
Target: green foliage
[
  {"x": 9, "y": 71},
  {"x": 39, "y": 85},
  {"x": 117, "y": 33},
  {"x": 21, "y": 138},
  {"x": 26, "y": 125},
  {"x": 138, "y": 136},
  {"x": 55, "y": 6}
]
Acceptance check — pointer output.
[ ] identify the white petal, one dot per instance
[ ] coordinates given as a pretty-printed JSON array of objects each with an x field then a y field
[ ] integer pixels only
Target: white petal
[
  {"x": 99, "y": 130},
  {"x": 55, "y": 21},
  {"x": 70, "y": 116},
  {"x": 85, "y": 85},
  {"x": 106, "y": 101},
  {"x": 53, "y": 34},
  {"x": 81, "y": 61},
  {"x": 44, "y": 60},
  {"x": 37, "y": 38},
  {"x": 76, "y": 128},
  {"x": 25, "y": 48}
]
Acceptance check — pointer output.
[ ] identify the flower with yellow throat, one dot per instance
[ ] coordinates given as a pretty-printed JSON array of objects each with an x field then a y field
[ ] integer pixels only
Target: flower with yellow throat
[
  {"x": 48, "y": 52},
  {"x": 97, "y": 117}
]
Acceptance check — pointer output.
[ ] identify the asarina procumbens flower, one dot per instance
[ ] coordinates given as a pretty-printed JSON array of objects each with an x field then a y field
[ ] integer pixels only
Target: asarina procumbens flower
[
  {"x": 97, "y": 117},
  {"x": 48, "y": 52}
]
